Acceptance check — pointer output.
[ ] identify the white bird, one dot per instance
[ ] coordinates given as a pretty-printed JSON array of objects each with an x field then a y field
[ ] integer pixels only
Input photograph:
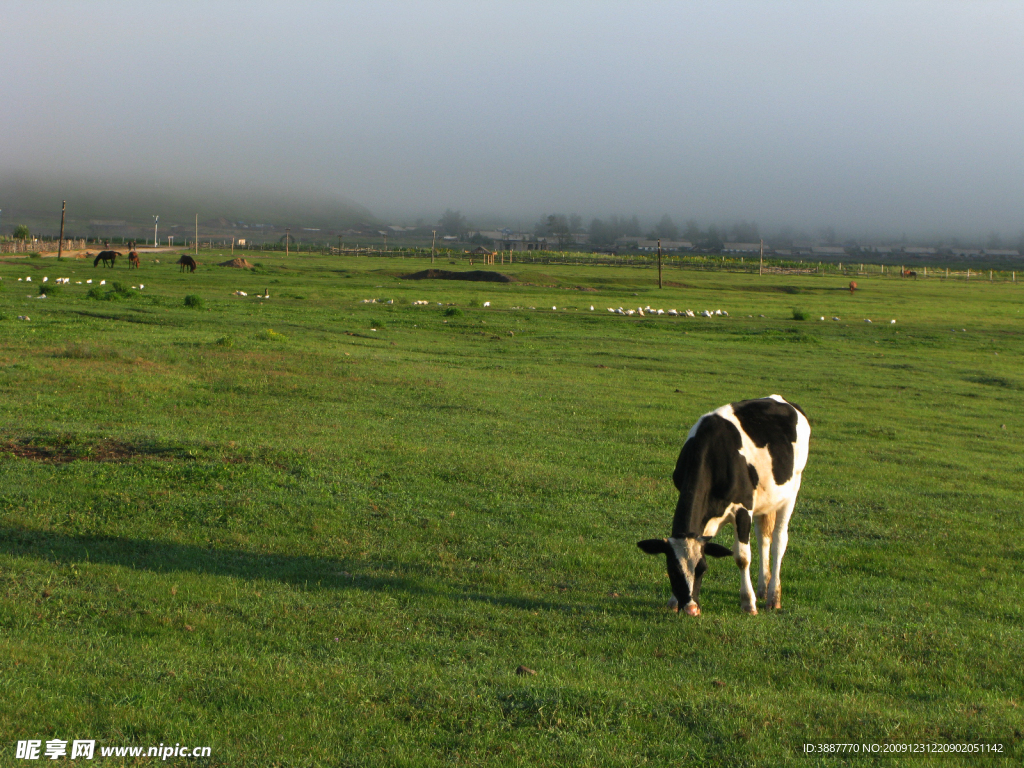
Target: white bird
[
  {"x": 554, "y": 307},
  {"x": 141, "y": 286},
  {"x": 866, "y": 320},
  {"x": 640, "y": 311},
  {"x": 661, "y": 311},
  {"x": 822, "y": 317},
  {"x": 88, "y": 281},
  {"x": 391, "y": 301},
  {"x": 45, "y": 279},
  {"x": 487, "y": 303},
  {"x": 241, "y": 293},
  {"x": 611, "y": 310},
  {"x": 630, "y": 311},
  {"x": 28, "y": 279},
  {"x": 673, "y": 312},
  {"x": 20, "y": 279},
  {"x": 103, "y": 282},
  {"x": 718, "y": 312},
  {"x": 591, "y": 307},
  {"x": 78, "y": 282},
  {"x": 892, "y": 322},
  {"x": 835, "y": 318}
]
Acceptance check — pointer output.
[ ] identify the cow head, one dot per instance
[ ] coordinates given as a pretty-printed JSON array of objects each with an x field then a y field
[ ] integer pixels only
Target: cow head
[{"x": 686, "y": 565}]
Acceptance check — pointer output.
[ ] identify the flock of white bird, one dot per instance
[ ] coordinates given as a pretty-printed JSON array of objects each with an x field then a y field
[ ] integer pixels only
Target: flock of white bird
[{"x": 648, "y": 311}]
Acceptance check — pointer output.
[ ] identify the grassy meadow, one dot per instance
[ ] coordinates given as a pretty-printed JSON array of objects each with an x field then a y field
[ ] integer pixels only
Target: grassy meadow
[{"x": 312, "y": 531}]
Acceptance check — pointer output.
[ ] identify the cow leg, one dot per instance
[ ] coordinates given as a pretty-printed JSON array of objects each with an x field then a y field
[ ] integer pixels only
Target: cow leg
[
  {"x": 741, "y": 554},
  {"x": 780, "y": 538},
  {"x": 765, "y": 525}
]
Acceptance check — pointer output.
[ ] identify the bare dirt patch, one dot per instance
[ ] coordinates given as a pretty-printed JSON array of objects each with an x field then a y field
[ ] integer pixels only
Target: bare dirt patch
[
  {"x": 479, "y": 275},
  {"x": 63, "y": 449}
]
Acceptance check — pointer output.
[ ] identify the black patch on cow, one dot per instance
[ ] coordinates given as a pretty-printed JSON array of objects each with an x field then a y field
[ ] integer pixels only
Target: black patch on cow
[
  {"x": 773, "y": 424},
  {"x": 754, "y": 477},
  {"x": 710, "y": 475},
  {"x": 743, "y": 526}
]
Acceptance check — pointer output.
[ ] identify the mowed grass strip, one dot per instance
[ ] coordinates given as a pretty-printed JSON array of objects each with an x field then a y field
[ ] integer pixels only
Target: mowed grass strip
[{"x": 309, "y": 530}]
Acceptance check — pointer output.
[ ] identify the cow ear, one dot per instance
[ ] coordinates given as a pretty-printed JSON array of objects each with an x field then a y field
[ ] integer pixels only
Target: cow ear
[
  {"x": 654, "y": 546},
  {"x": 716, "y": 550}
]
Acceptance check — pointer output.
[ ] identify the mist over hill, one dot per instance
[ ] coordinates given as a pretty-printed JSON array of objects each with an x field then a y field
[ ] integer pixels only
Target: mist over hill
[{"x": 103, "y": 207}]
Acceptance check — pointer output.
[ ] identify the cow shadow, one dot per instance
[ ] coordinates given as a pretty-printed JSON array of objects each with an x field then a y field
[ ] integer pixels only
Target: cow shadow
[{"x": 309, "y": 572}]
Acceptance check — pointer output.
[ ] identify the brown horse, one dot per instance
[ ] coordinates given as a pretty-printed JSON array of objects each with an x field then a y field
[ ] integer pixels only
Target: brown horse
[
  {"x": 909, "y": 273},
  {"x": 107, "y": 257},
  {"x": 853, "y": 287},
  {"x": 133, "y": 260},
  {"x": 187, "y": 262}
]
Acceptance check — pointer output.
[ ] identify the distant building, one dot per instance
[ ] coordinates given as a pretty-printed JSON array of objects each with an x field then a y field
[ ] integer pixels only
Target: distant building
[
  {"x": 1000, "y": 252},
  {"x": 828, "y": 250},
  {"x": 643, "y": 244},
  {"x": 966, "y": 252},
  {"x": 917, "y": 250},
  {"x": 741, "y": 247}
]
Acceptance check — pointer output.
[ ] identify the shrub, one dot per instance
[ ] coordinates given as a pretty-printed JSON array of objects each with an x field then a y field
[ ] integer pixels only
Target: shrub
[
  {"x": 474, "y": 303},
  {"x": 49, "y": 290},
  {"x": 225, "y": 341},
  {"x": 453, "y": 312},
  {"x": 375, "y": 323},
  {"x": 35, "y": 255},
  {"x": 799, "y": 314},
  {"x": 96, "y": 293},
  {"x": 119, "y": 287},
  {"x": 196, "y": 302},
  {"x": 270, "y": 335},
  {"x": 21, "y": 233}
]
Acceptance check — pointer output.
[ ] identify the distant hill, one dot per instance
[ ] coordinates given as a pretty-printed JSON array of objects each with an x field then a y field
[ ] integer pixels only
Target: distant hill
[{"x": 104, "y": 209}]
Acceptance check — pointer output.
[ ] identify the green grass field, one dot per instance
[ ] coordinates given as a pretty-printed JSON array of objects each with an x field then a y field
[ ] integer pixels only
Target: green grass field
[{"x": 312, "y": 531}]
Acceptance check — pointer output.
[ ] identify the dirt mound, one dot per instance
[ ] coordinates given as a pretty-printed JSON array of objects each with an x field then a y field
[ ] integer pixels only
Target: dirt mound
[
  {"x": 239, "y": 263},
  {"x": 443, "y": 274}
]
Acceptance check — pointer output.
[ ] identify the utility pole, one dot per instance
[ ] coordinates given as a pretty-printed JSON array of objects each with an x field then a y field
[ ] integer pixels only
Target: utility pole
[
  {"x": 432, "y": 241},
  {"x": 287, "y": 239},
  {"x": 156, "y": 220},
  {"x": 760, "y": 266},
  {"x": 60, "y": 243},
  {"x": 659, "y": 263},
  {"x": 197, "y": 235},
  {"x": 339, "y": 245}
]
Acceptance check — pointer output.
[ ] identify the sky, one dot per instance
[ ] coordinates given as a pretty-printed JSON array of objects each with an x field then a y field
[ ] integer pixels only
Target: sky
[{"x": 870, "y": 117}]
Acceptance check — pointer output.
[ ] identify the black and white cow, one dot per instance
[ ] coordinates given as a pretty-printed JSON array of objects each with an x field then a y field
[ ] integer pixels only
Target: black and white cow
[{"x": 740, "y": 464}]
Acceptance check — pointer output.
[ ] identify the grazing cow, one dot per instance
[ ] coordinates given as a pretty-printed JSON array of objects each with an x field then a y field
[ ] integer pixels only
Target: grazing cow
[
  {"x": 909, "y": 273},
  {"x": 740, "y": 464},
  {"x": 133, "y": 260},
  {"x": 853, "y": 286},
  {"x": 187, "y": 262}
]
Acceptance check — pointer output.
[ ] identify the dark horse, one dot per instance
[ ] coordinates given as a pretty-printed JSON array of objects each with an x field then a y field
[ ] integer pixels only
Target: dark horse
[
  {"x": 187, "y": 262},
  {"x": 133, "y": 260},
  {"x": 106, "y": 256}
]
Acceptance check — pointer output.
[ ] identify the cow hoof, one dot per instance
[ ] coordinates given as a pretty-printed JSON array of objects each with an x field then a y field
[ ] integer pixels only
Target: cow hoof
[
  {"x": 673, "y": 604},
  {"x": 693, "y": 609},
  {"x": 752, "y": 610}
]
